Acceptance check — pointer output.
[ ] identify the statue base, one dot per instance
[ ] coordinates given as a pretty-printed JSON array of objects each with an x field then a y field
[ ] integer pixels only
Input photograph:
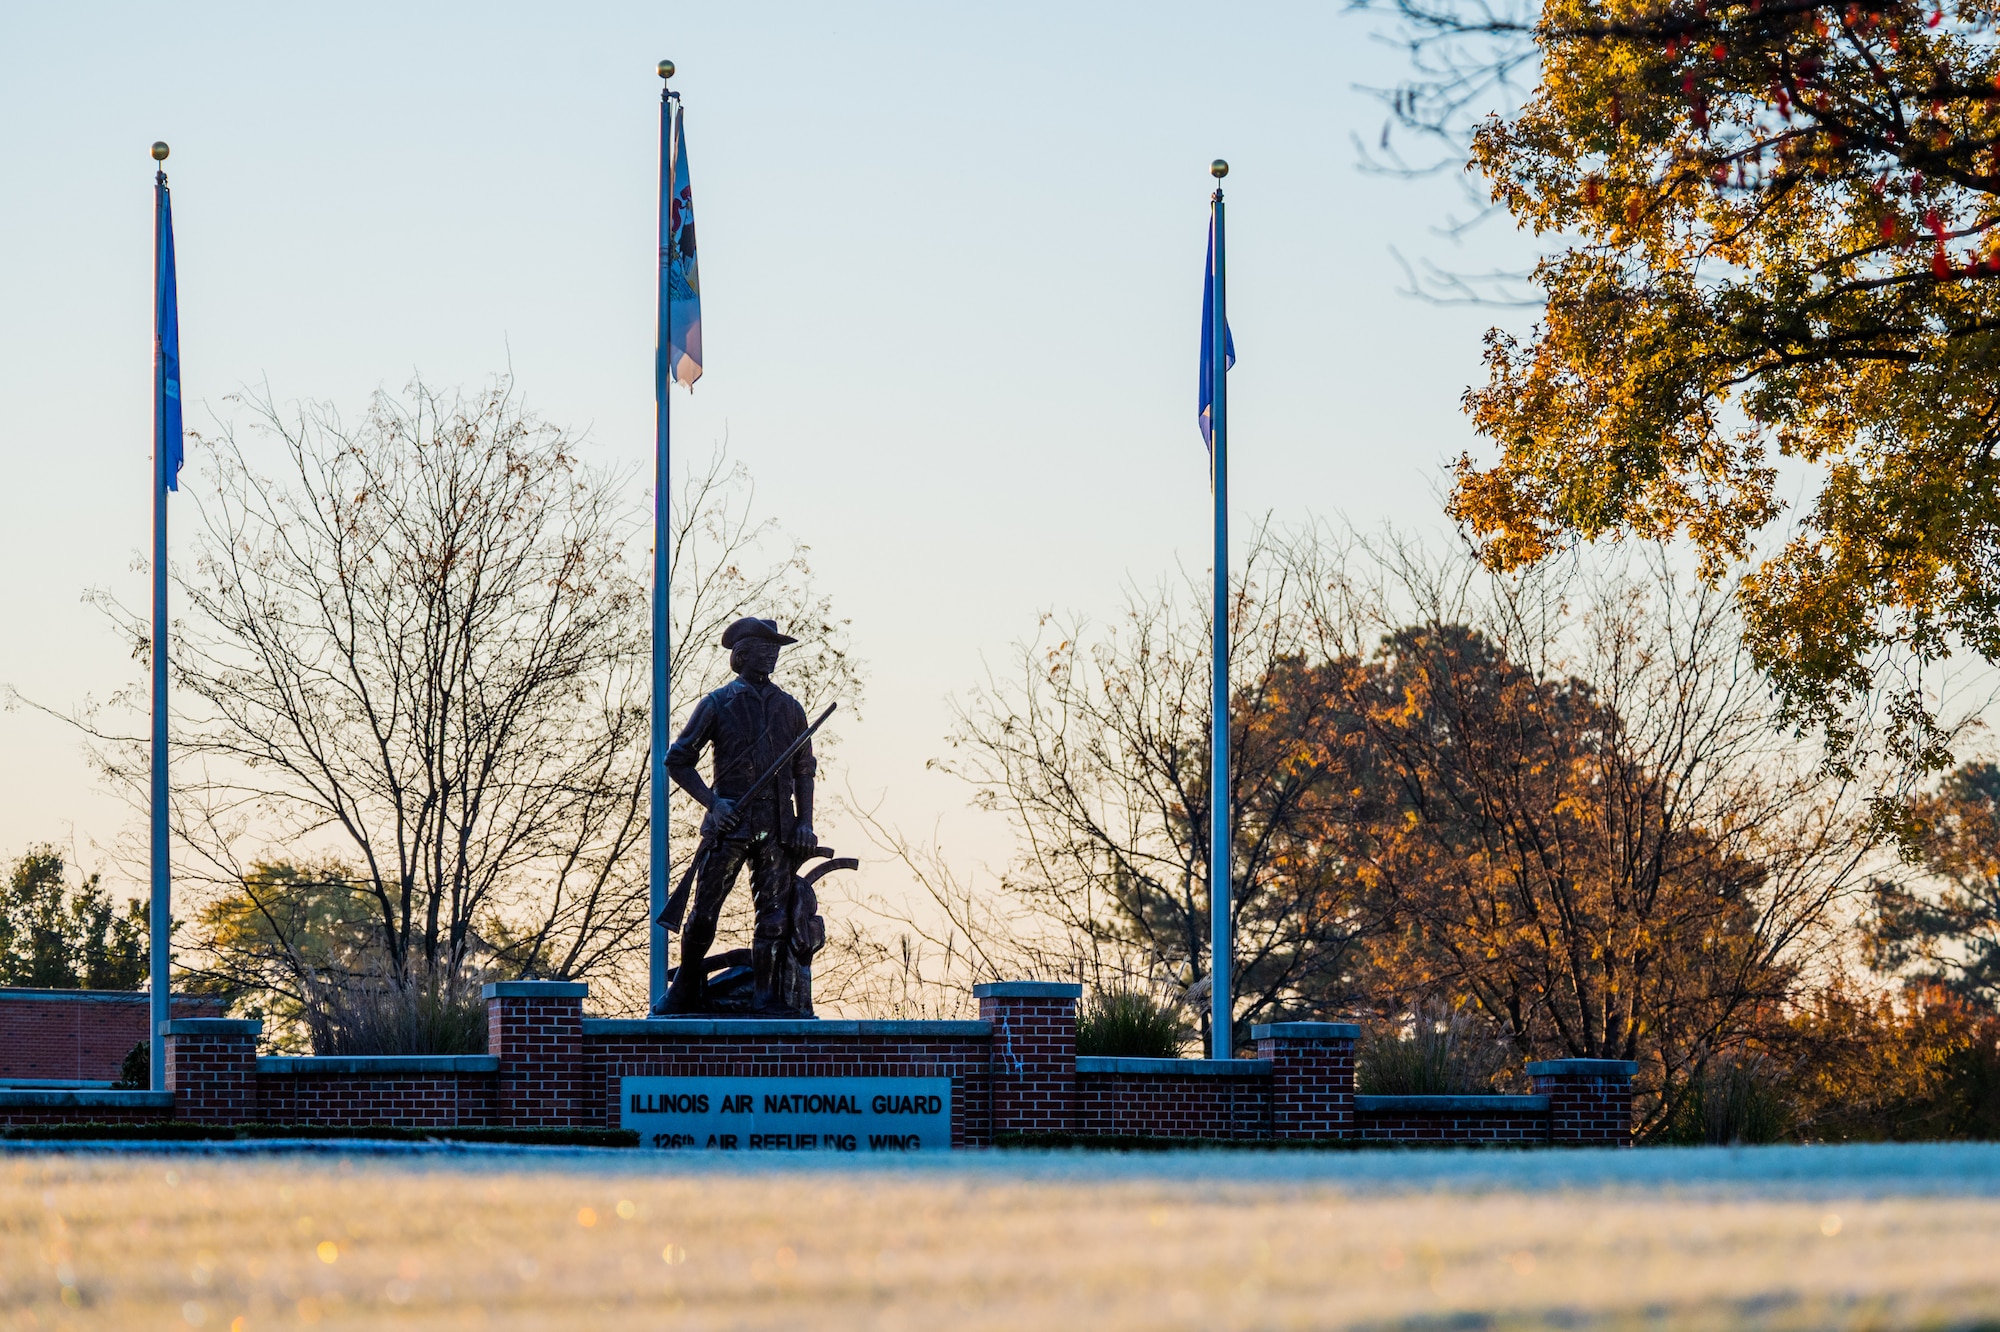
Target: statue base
[
  {"x": 729, "y": 991},
  {"x": 728, "y": 983}
]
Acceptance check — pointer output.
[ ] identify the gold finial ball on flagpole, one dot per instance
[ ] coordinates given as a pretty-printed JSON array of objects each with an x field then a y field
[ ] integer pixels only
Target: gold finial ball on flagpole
[
  {"x": 1218, "y": 168},
  {"x": 666, "y": 69},
  {"x": 160, "y": 151}
]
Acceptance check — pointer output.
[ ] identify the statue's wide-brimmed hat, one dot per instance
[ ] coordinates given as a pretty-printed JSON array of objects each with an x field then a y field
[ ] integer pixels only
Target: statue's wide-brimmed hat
[{"x": 750, "y": 627}]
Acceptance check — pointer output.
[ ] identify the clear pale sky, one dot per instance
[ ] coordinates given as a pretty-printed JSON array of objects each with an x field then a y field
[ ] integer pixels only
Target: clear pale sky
[{"x": 951, "y": 260}]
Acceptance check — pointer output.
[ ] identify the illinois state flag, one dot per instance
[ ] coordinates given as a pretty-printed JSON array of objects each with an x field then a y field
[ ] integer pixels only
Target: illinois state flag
[
  {"x": 167, "y": 341},
  {"x": 680, "y": 278}
]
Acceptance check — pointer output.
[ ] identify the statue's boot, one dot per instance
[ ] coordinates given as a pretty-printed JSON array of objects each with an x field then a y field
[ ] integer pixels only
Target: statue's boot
[
  {"x": 689, "y": 991},
  {"x": 765, "y": 957},
  {"x": 687, "y": 994}
]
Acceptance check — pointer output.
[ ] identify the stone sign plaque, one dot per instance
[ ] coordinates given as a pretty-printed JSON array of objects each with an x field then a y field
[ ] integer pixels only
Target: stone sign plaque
[{"x": 788, "y": 1114}]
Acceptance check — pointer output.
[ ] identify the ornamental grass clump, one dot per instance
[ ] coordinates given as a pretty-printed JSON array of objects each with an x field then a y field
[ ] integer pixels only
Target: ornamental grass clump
[
  {"x": 1130, "y": 1024},
  {"x": 1442, "y": 1052},
  {"x": 1730, "y": 1104},
  {"x": 370, "y": 1016}
]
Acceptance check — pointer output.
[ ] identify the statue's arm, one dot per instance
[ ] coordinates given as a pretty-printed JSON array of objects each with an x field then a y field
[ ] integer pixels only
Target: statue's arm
[
  {"x": 685, "y": 753},
  {"x": 804, "y": 769},
  {"x": 802, "y": 789}
]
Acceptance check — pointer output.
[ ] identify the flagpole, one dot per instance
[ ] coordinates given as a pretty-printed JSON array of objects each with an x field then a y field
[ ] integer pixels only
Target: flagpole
[
  {"x": 1221, "y": 1012},
  {"x": 656, "y": 878},
  {"x": 160, "y": 908}
]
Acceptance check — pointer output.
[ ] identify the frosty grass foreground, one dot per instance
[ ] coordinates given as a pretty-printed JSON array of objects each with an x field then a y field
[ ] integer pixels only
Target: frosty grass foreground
[{"x": 1875, "y": 1236}]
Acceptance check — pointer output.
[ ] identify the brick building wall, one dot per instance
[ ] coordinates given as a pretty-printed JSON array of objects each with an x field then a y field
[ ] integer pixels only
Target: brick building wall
[
  {"x": 1174, "y": 1098},
  {"x": 78, "y": 1035}
]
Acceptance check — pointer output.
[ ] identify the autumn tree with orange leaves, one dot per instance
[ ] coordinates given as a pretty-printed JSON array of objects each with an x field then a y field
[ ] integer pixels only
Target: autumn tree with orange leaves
[
  {"x": 1775, "y": 237},
  {"x": 1588, "y": 829},
  {"x": 1558, "y": 800}
]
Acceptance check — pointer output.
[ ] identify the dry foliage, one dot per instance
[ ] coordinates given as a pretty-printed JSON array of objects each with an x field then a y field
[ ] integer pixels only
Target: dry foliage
[
  {"x": 411, "y": 669},
  {"x": 1563, "y": 799},
  {"x": 1095, "y": 745}
]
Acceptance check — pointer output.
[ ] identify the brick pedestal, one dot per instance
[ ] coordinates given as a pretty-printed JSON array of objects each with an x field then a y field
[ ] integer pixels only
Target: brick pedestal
[
  {"x": 212, "y": 1068},
  {"x": 1034, "y": 1054},
  {"x": 535, "y": 1028},
  {"x": 1312, "y": 1077},
  {"x": 1590, "y": 1100}
]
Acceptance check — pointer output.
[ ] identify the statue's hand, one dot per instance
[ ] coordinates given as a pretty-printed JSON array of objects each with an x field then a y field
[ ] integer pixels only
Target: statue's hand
[
  {"x": 804, "y": 839},
  {"x": 722, "y": 818}
]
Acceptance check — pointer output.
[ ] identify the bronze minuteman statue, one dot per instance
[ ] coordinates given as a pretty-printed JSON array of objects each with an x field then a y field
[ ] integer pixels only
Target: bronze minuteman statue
[{"x": 748, "y": 725}]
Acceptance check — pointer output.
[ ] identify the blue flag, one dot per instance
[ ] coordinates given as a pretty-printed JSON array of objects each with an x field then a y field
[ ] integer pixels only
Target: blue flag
[
  {"x": 167, "y": 343},
  {"x": 1208, "y": 343}
]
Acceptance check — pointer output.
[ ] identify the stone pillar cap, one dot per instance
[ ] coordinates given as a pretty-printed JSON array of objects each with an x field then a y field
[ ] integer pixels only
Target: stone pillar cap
[
  {"x": 535, "y": 990},
  {"x": 212, "y": 1027},
  {"x": 1596, "y": 1068},
  {"x": 1305, "y": 1031},
  {"x": 1027, "y": 990}
]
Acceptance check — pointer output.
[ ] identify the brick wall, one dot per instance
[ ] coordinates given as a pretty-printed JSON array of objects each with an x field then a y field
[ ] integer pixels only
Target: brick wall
[
  {"x": 1436, "y": 1120},
  {"x": 1015, "y": 1070},
  {"x": 90, "y": 1106},
  {"x": 212, "y": 1068},
  {"x": 1174, "y": 1098},
  {"x": 1033, "y": 1054},
  {"x": 1312, "y": 1077},
  {"x": 711, "y": 1048},
  {"x": 417, "y": 1091},
  {"x": 535, "y": 1029},
  {"x": 1590, "y": 1100},
  {"x": 79, "y": 1035}
]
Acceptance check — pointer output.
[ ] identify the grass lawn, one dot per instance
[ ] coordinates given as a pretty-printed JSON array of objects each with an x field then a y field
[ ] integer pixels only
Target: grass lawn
[{"x": 1818, "y": 1237}]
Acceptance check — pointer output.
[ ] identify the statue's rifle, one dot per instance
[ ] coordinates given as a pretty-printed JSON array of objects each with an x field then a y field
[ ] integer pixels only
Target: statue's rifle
[{"x": 676, "y": 908}]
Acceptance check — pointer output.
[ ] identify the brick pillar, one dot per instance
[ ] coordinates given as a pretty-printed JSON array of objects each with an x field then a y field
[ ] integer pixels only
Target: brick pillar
[
  {"x": 1590, "y": 1100},
  {"x": 212, "y": 1068},
  {"x": 1034, "y": 1054},
  {"x": 535, "y": 1028},
  {"x": 1312, "y": 1077}
]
